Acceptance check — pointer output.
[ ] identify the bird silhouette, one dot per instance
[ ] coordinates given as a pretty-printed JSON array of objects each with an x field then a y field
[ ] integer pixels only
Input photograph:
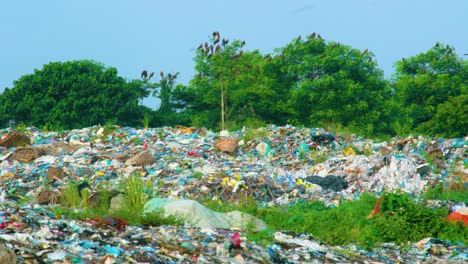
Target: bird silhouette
[
  {"x": 237, "y": 55},
  {"x": 200, "y": 46},
  {"x": 151, "y": 76},
  {"x": 313, "y": 35},
  {"x": 144, "y": 74},
  {"x": 224, "y": 42},
  {"x": 161, "y": 73},
  {"x": 243, "y": 43},
  {"x": 211, "y": 48},
  {"x": 218, "y": 48},
  {"x": 318, "y": 36}
]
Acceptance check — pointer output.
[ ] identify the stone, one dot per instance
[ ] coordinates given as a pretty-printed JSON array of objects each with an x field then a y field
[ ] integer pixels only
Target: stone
[
  {"x": 15, "y": 139},
  {"x": 25, "y": 154},
  {"x": 141, "y": 159},
  {"x": 7, "y": 256}
]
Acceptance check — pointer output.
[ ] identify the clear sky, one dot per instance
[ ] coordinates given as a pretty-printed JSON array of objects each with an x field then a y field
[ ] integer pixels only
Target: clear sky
[{"x": 133, "y": 35}]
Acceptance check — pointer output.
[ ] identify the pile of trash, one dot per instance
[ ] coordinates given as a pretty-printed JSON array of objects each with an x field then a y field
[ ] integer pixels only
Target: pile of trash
[{"x": 274, "y": 165}]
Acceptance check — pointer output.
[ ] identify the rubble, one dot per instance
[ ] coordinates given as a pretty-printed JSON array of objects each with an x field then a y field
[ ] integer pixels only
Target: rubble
[{"x": 281, "y": 165}]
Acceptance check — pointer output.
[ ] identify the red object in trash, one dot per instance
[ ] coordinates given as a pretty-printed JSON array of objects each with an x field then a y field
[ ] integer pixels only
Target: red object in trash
[
  {"x": 235, "y": 239},
  {"x": 455, "y": 217},
  {"x": 376, "y": 209},
  {"x": 191, "y": 153}
]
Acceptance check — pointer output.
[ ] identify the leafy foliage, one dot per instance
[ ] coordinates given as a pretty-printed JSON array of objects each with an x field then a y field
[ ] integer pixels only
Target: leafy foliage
[
  {"x": 427, "y": 80},
  {"x": 71, "y": 95},
  {"x": 309, "y": 82}
]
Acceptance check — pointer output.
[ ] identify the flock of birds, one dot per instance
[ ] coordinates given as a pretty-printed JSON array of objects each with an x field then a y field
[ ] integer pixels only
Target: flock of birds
[
  {"x": 218, "y": 44},
  {"x": 215, "y": 48},
  {"x": 146, "y": 77}
]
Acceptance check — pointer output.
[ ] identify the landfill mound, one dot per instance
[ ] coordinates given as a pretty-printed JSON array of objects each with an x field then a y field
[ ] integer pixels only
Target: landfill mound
[{"x": 275, "y": 165}]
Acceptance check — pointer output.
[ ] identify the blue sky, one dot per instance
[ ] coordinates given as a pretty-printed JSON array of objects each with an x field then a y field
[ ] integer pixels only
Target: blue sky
[{"x": 162, "y": 35}]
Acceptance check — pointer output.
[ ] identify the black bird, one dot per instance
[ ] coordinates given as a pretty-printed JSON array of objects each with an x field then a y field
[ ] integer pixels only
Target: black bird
[
  {"x": 313, "y": 35},
  {"x": 151, "y": 75},
  {"x": 144, "y": 74},
  {"x": 224, "y": 42},
  {"x": 243, "y": 43},
  {"x": 318, "y": 36}
]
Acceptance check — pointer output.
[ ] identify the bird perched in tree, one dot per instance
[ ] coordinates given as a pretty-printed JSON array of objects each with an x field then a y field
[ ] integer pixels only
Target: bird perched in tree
[
  {"x": 224, "y": 42},
  {"x": 211, "y": 48},
  {"x": 216, "y": 37},
  {"x": 237, "y": 55},
  {"x": 218, "y": 48},
  {"x": 243, "y": 43},
  {"x": 200, "y": 46},
  {"x": 161, "y": 73},
  {"x": 313, "y": 35},
  {"x": 299, "y": 38},
  {"x": 319, "y": 37},
  {"x": 151, "y": 76},
  {"x": 169, "y": 76},
  {"x": 144, "y": 74}
]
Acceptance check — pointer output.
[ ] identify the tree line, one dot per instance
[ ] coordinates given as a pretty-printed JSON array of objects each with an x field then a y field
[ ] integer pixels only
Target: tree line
[{"x": 308, "y": 82}]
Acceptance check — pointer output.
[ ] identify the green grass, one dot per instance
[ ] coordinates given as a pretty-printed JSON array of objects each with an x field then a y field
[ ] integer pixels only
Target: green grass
[
  {"x": 135, "y": 195},
  {"x": 444, "y": 193},
  {"x": 400, "y": 220}
]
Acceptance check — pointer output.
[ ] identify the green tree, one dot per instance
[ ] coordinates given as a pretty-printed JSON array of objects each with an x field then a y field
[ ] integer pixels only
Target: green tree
[
  {"x": 224, "y": 86},
  {"x": 427, "y": 80},
  {"x": 451, "y": 118},
  {"x": 334, "y": 83},
  {"x": 73, "y": 94}
]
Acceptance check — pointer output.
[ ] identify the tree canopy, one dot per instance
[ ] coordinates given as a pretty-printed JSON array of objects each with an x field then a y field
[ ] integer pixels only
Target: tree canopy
[
  {"x": 72, "y": 94},
  {"x": 309, "y": 81},
  {"x": 428, "y": 80}
]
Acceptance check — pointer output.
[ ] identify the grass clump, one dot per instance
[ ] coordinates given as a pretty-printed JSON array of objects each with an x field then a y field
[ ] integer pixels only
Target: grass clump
[
  {"x": 400, "y": 220},
  {"x": 134, "y": 193}
]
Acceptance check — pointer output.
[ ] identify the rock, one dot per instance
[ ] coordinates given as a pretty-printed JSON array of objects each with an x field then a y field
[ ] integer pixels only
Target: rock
[
  {"x": 48, "y": 197},
  {"x": 141, "y": 159},
  {"x": 228, "y": 145},
  {"x": 25, "y": 154},
  {"x": 15, "y": 139},
  {"x": 55, "y": 173},
  {"x": 7, "y": 256}
]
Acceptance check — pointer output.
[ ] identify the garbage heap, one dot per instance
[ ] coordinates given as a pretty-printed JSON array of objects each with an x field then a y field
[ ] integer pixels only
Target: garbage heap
[{"x": 274, "y": 165}]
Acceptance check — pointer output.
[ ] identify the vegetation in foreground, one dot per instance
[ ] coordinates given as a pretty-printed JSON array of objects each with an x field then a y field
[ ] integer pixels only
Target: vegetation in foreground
[{"x": 401, "y": 219}]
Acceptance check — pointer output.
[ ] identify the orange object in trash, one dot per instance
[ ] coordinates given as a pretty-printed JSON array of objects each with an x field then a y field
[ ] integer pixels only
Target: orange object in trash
[
  {"x": 226, "y": 145},
  {"x": 456, "y": 217}
]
